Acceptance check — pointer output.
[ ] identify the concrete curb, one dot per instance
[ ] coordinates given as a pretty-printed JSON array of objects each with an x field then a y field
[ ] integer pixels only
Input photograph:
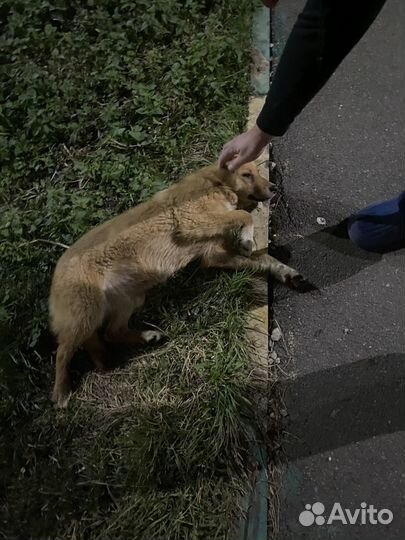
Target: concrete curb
[{"x": 254, "y": 524}]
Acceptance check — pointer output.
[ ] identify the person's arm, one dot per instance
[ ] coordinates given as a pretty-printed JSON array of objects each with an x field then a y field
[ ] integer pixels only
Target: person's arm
[{"x": 324, "y": 33}]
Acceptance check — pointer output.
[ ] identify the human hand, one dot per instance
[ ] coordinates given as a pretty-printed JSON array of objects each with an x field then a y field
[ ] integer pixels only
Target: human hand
[{"x": 244, "y": 148}]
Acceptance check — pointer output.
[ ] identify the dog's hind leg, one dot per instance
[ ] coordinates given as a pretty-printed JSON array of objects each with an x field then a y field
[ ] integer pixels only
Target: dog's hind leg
[
  {"x": 62, "y": 389},
  {"x": 95, "y": 348},
  {"x": 75, "y": 316},
  {"x": 133, "y": 337},
  {"x": 117, "y": 330}
]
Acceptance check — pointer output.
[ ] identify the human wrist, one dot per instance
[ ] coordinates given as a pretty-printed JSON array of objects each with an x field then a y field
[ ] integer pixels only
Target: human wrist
[{"x": 261, "y": 136}]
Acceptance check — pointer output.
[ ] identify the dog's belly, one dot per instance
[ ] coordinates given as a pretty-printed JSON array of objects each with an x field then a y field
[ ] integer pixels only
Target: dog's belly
[{"x": 154, "y": 263}]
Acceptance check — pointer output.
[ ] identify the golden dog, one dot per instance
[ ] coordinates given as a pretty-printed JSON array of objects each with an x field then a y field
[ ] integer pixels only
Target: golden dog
[{"x": 103, "y": 278}]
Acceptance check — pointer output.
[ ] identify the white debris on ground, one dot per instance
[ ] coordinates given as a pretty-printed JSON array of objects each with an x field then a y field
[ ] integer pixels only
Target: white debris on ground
[
  {"x": 274, "y": 358},
  {"x": 321, "y": 220},
  {"x": 276, "y": 334}
]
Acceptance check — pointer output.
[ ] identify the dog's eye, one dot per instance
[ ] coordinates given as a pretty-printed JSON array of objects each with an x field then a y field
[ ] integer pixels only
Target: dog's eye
[{"x": 248, "y": 176}]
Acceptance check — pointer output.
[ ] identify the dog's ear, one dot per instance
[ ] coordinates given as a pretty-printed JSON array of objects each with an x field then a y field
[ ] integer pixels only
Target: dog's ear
[{"x": 221, "y": 176}]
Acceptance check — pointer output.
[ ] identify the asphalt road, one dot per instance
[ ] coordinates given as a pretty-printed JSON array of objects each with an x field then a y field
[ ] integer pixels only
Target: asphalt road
[{"x": 344, "y": 345}]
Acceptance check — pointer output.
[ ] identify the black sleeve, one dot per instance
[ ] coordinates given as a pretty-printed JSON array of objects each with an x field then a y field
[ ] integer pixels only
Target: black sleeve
[{"x": 324, "y": 33}]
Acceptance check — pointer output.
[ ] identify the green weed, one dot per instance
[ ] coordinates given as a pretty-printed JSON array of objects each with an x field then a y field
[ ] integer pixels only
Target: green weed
[{"x": 104, "y": 102}]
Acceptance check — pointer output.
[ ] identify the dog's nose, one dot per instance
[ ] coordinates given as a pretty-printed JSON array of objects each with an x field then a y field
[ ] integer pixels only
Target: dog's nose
[{"x": 268, "y": 194}]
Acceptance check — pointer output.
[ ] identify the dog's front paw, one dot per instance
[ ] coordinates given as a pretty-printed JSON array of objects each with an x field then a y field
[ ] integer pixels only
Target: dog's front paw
[
  {"x": 245, "y": 248},
  {"x": 296, "y": 281},
  {"x": 242, "y": 241},
  {"x": 300, "y": 283}
]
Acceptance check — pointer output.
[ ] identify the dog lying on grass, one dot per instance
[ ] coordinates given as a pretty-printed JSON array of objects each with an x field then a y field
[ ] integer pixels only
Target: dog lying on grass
[{"x": 103, "y": 278}]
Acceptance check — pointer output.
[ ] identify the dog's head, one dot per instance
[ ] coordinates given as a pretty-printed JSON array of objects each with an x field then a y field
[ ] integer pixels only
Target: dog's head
[
  {"x": 250, "y": 186},
  {"x": 247, "y": 183}
]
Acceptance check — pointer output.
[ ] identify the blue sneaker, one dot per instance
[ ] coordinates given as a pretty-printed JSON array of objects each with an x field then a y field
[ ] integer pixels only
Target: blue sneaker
[{"x": 379, "y": 227}]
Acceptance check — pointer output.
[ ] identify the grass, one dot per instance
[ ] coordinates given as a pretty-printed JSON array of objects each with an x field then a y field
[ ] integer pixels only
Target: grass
[
  {"x": 156, "y": 448},
  {"x": 104, "y": 103}
]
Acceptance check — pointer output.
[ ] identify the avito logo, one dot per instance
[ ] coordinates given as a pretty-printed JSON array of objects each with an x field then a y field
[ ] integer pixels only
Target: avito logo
[{"x": 365, "y": 515}]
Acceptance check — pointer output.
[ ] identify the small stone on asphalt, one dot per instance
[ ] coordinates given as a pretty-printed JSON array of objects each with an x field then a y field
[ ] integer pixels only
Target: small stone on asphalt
[{"x": 276, "y": 334}]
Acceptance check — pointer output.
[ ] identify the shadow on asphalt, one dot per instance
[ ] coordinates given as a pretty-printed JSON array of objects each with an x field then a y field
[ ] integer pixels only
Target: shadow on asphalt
[
  {"x": 342, "y": 405},
  {"x": 326, "y": 256}
]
